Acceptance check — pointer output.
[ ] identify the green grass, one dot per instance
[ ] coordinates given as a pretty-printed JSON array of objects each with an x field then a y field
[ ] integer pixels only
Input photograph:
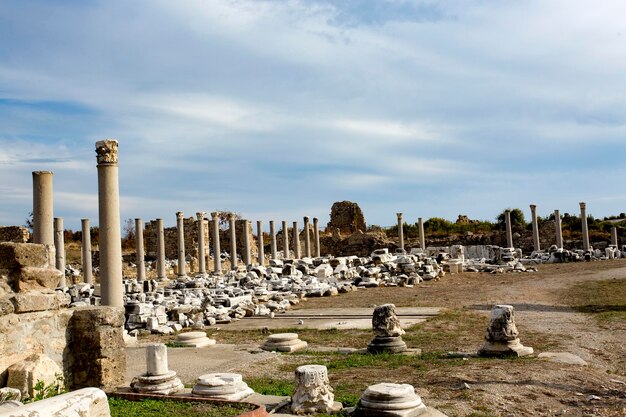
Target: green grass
[
  {"x": 164, "y": 408},
  {"x": 267, "y": 386},
  {"x": 605, "y": 300}
]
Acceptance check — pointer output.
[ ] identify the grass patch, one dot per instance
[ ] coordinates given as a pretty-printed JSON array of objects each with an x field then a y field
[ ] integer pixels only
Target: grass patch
[
  {"x": 328, "y": 337},
  {"x": 605, "y": 300},
  {"x": 266, "y": 386},
  {"x": 157, "y": 408}
]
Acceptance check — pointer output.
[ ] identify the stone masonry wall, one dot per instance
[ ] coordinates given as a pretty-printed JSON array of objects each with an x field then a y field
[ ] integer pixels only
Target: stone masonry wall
[{"x": 15, "y": 234}]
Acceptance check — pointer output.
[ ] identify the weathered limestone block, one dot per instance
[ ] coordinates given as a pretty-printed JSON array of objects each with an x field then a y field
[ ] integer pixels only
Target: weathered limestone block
[
  {"x": 223, "y": 386},
  {"x": 37, "y": 301},
  {"x": 393, "y": 400},
  {"x": 15, "y": 234},
  {"x": 27, "y": 266},
  {"x": 502, "y": 335},
  {"x": 313, "y": 393},
  {"x": 158, "y": 379},
  {"x": 387, "y": 331},
  {"x": 24, "y": 375},
  {"x": 194, "y": 339},
  {"x": 347, "y": 217},
  {"x": 87, "y": 402},
  {"x": 284, "y": 342},
  {"x": 96, "y": 355}
]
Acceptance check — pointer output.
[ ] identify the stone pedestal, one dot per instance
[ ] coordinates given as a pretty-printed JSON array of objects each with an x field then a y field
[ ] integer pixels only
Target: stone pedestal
[
  {"x": 161, "y": 274},
  {"x": 502, "y": 335},
  {"x": 86, "y": 252},
  {"x": 194, "y": 339},
  {"x": 390, "y": 400},
  {"x": 158, "y": 379},
  {"x": 316, "y": 236},
  {"x": 59, "y": 247},
  {"x": 139, "y": 252},
  {"x": 217, "y": 251},
  {"x": 313, "y": 393},
  {"x": 110, "y": 242},
  {"x": 222, "y": 386},
  {"x": 400, "y": 231},
  {"x": 387, "y": 331},
  {"x": 284, "y": 342}
]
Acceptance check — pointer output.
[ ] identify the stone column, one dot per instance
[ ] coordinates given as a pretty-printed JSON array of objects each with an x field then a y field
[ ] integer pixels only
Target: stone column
[
  {"x": 614, "y": 236},
  {"x": 509, "y": 230},
  {"x": 139, "y": 253},
  {"x": 217, "y": 251},
  {"x": 59, "y": 246},
  {"x": 161, "y": 274},
  {"x": 180, "y": 228},
  {"x": 246, "y": 242},
  {"x": 316, "y": 236},
  {"x": 420, "y": 223},
  {"x": 400, "y": 231},
  {"x": 109, "y": 223},
  {"x": 233, "y": 242},
  {"x": 559, "y": 232},
  {"x": 296, "y": 241},
  {"x": 583, "y": 220},
  {"x": 201, "y": 249},
  {"x": 86, "y": 252},
  {"x": 533, "y": 214},
  {"x": 285, "y": 241},
  {"x": 272, "y": 239},
  {"x": 43, "y": 217},
  {"x": 259, "y": 237},
  {"x": 307, "y": 241}
]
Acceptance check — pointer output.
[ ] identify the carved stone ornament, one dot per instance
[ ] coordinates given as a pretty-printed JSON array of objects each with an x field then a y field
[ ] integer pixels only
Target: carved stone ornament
[{"x": 106, "y": 152}]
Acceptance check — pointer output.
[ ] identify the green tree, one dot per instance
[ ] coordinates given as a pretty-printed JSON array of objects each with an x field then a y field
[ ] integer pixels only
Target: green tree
[{"x": 517, "y": 218}]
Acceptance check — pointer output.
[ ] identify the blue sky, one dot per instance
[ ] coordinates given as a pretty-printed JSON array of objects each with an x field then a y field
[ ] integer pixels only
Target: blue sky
[{"x": 277, "y": 109}]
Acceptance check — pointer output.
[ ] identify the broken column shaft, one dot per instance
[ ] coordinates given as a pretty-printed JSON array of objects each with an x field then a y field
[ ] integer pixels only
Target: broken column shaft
[
  {"x": 233, "y": 241},
  {"x": 285, "y": 241},
  {"x": 59, "y": 245},
  {"x": 86, "y": 252},
  {"x": 585, "y": 229},
  {"x": 533, "y": 214},
  {"x": 161, "y": 274},
  {"x": 272, "y": 240},
  {"x": 400, "y": 231},
  {"x": 296, "y": 241},
  {"x": 558, "y": 230},
  {"x": 141, "y": 265},
  {"x": 217, "y": 260},
  {"x": 180, "y": 229},
  {"x": 201, "y": 249},
  {"x": 316, "y": 236},
  {"x": 259, "y": 236},
  {"x": 307, "y": 241}
]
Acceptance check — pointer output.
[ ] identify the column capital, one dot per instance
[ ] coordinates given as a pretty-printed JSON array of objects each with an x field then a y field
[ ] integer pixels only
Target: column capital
[
  {"x": 200, "y": 215},
  {"x": 106, "y": 152},
  {"x": 306, "y": 219},
  {"x": 315, "y": 219},
  {"x": 533, "y": 207},
  {"x": 179, "y": 215},
  {"x": 583, "y": 205},
  {"x": 399, "y": 215},
  {"x": 214, "y": 214},
  {"x": 41, "y": 173}
]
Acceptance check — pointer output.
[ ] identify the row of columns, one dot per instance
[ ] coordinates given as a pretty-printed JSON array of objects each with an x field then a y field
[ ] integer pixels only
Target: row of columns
[{"x": 420, "y": 225}]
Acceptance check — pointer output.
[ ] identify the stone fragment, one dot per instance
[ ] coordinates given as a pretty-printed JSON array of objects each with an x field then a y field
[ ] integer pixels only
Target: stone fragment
[
  {"x": 313, "y": 393},
  {"x": 87, "y": 402},
  {"x": 223, "y": 386},
  {"x": 194, "y": 339},
  {"x": 387, "y": 331},
  {"x": 391, "y": 400},
  {"x": 502, "y": 335},
  {"x": 284, "y": 342},
  {"x": 26, "y": 374},
  {"x": 157, "y": 379}
]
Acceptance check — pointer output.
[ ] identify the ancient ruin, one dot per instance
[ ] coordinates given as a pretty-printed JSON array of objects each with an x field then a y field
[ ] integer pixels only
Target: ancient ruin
[
  {"x": 222, "y": 386},
  {"x": 347, "y": 217},
  {"x": 313, "y": 393},
  {"x": 387, "y": 331},
  {"x": 158, "y": 379},
  {"x": 502, "y": 335}
]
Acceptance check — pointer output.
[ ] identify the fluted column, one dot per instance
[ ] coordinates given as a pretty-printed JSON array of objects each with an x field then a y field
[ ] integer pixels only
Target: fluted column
[
  {"x": 86, "y": 252},
  {"x": 585, "y": 229},
  {"x": 558, "y": 230},
  {"x": 316, "y": 236},
  {"x": 272, "y": 240},
  {"x": 110, "y": 241},
  {"x": 286, "y": 254},
  {"x": 139, "y": 257},
  {"x": 233, "y": 241},
  {"x": 400, "y": 231},
  {"x": 217, "y": 258},
  {"x": 161, "y": 274},
  {"x": 59, "y": 246},
  {"x": 533, "y": 214},
  {"x": 307, "y": 238},
  {"x": 246, "y": 242},
  {"x": 296, "y": 241},
  {"x": 180, "y": 229},
  {"x": 259, "y": 237},
  {"x": 201, "y": 248},
  {"x": 509, "y": 229}
]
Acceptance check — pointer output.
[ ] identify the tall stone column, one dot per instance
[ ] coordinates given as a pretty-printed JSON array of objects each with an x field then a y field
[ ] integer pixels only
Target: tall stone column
[
  {"x": 110, "y": 242},
  {"x": 614, "y": 236},
  {"x": 141, "y": 265},
  {"x": 420, "y": 223},
  {"x": 59, "y": 245},
  {"x": 259, "y": 237},
  {"x": 246, "y": 242},
  {"x": 201, "y": 249},
  {"x": 316, "y": 236},
  {"x": 533, "y": 214},
  {"x": 272, "y": 240},
  {"x": 217, "y": 251},
  {"x": 296, "y": 241},
  {"x": 307, "y": 238},
  {"x": 180, "y": 228},
  {"x": 583, "y": 220},
  {"x": 509, "y": 229},
  {"x": 233, "y": 241},
  {"x": 286, "y": 241},
  {"x": 43, "y": 217},
  {"x": 559, "y": 232},
  {"x": 86, "y": 252},
  {"x": 161, "y": 274},
  {"x": 400, "y": 231}
]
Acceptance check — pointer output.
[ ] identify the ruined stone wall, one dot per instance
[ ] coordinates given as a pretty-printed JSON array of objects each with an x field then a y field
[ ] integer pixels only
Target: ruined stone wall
[
  {"x": 347, "y": 217},
  {"x": 16, "y": 234}
]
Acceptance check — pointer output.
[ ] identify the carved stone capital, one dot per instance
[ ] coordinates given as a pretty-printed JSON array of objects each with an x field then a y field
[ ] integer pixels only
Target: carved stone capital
[
  {"x": 180, "y": 215},
  {"x": 106, "y": 152}
]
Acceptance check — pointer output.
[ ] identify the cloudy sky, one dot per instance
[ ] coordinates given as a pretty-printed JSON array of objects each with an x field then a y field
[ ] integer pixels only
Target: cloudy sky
[{"x": 277, "y": 109}]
